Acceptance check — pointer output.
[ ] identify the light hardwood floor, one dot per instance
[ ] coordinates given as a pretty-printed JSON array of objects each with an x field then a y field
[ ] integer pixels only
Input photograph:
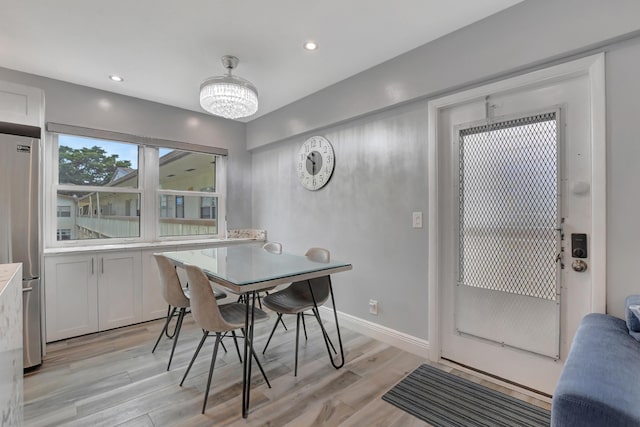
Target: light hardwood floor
[{"x": 112, "y": 379}]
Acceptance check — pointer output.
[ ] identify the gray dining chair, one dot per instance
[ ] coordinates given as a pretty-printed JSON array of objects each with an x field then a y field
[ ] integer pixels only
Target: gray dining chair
[
  {"x": 300, "y": 297},
  {"x": 216, "y": 319},
  {"x": 177, "y": 298}
]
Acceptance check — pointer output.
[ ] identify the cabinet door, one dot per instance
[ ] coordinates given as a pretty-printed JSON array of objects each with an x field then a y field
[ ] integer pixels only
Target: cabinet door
[
  {"x": 71, "y": 295},
  {"x": 20, "y": 104},
  {"x": 119, "y": 289},
  {"x": 153, "y": 304}
]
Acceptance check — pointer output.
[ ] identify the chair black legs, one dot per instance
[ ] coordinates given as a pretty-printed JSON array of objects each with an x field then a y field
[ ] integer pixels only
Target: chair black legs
[
  {"x": 275, "y": 325},
  {"x": 170, "y": 314},
  {"x": 213, "y": 363},
  {"x": 218, "y": 342},
  {"x": 176, "y": 332},
  {"x": 304, "y": 326},
  {"x": 205, "y": 334},
  {"x": 235, "y": 340},
  {"x": 298, "y": 316}
]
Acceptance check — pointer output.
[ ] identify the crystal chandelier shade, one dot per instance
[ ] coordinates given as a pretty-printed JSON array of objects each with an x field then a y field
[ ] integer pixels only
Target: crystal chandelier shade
[{"x": 229, "y": 96}]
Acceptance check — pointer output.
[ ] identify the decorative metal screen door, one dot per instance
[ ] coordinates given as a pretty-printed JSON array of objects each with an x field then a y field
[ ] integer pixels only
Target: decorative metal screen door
[{"x": 507, "y": 233}]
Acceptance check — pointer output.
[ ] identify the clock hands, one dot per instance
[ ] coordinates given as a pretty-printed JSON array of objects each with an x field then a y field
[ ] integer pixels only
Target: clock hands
[{"x": 313, "y": 163}]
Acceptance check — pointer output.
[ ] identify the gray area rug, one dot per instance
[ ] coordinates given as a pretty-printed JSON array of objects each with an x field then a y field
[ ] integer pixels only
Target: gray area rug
[{"x": 445, "y": 400}]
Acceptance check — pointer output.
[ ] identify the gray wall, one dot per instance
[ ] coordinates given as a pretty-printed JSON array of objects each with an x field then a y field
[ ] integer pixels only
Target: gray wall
[
  {"x": 364, "y": 214},
  {"x": 82, "y": 106},
  {"x": 623, "y": 173}
]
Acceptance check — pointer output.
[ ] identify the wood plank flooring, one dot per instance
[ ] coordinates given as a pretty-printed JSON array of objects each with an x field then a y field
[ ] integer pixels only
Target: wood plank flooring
[{"x": 113, "y": 379}]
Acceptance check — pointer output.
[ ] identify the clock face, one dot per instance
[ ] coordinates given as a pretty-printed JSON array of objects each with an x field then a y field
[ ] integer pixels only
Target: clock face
[{"x": 314, "y": 163}]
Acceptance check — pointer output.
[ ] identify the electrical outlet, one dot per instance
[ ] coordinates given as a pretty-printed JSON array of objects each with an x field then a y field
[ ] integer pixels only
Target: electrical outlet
[
  {"x": 373, "y": 307},
  {"x": 417, "y": 220}
]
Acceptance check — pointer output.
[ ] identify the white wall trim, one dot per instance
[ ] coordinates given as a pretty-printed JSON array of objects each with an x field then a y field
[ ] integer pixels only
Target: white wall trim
[
  {"x": 406, "y": 342},
  {"x": 593, "y": 67},
  {"x": 598, "y": 245}
]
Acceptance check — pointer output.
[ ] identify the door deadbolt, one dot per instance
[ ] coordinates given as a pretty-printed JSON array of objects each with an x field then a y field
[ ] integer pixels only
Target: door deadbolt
[
  {"x": 579, "y": 265},
  {"x": 578, "y": 245}
]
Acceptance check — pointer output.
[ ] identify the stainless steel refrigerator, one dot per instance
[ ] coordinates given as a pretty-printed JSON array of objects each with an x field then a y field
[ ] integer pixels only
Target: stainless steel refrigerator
[{"x": 19, "y": 211}]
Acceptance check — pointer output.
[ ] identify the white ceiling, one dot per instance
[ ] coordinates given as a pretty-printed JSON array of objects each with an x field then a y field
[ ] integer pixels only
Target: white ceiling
[{"x": 165, "y": 48}]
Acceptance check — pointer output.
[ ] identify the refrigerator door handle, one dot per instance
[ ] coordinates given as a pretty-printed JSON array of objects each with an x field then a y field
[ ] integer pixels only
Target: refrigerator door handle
[{"x": 92, "y": 271}]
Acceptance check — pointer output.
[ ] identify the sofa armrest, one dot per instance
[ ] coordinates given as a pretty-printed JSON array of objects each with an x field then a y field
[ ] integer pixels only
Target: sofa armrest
[{"x": 600, "y": 382}]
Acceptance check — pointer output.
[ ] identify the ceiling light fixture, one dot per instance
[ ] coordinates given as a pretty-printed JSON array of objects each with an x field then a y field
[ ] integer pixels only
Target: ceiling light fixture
[
  {"x": 116, "y": 78},
  {"x": 229, "y": 96},
  {"x": 310, "y": 45}
]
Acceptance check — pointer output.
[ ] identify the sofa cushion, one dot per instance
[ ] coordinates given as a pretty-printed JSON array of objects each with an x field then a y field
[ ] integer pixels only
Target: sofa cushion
[{"x": 600, "y": 381}]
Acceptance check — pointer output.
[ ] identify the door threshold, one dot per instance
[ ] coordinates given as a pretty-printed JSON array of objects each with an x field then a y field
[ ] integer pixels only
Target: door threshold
[{"x": 511, "y": 385}]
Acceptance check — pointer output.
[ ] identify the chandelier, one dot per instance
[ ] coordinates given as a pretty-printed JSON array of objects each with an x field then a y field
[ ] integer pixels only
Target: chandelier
[{"x": 229, "y": 96}]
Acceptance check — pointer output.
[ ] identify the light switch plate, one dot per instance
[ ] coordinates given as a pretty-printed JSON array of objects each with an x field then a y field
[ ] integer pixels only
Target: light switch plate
[
  {"x": 417, "y": 220},
  {"x": 373, "y": 307}
]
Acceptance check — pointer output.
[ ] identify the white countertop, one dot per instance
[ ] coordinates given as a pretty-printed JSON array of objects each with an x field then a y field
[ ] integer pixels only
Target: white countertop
[{"x": 7, "y": 271}]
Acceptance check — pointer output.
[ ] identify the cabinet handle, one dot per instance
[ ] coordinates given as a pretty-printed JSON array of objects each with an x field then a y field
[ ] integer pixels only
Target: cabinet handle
[
  {"x": 92, "y": 270},
  {"x": 102, "y": 264}
]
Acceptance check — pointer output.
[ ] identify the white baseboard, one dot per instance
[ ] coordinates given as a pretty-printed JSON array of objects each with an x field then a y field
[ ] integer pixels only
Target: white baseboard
[{"x": 406, "y": 342}]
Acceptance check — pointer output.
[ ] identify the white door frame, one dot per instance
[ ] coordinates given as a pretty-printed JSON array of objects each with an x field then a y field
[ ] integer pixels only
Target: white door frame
[{"x": 593, "y": 67}]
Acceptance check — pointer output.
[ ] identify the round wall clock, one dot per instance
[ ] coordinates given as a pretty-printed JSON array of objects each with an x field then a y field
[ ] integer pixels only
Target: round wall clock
[{"x": 314, "y": 163}]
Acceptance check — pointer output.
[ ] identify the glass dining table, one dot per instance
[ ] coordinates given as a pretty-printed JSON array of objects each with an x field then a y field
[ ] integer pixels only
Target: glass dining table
[{"x": 248, "y": 269}]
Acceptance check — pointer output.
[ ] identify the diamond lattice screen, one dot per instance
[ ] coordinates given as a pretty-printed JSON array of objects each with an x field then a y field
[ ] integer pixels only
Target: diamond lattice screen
[{"x": 508, "y": 206}]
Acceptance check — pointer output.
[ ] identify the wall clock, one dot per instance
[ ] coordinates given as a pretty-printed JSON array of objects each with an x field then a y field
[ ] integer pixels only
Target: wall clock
[{"x": 315, "y": 162}]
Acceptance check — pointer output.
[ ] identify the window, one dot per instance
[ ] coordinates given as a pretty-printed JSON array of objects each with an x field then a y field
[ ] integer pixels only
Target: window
[
  {"x": 96, "y": 179},
  {"x": 165, "y": 206},
  {"x": 508, "y": 206},
  {"x": 179, "y": 206},
  {"x": 64, "y": 211},
  {"x": 187, "y": 181},
  {"x": 207, "y": 207},
  {"x": 64, "y": 234},
  {"x": 108, "y": 189}
]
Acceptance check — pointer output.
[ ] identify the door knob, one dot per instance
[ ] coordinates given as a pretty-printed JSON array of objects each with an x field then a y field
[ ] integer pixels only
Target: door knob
[{"x": 579, "y": 265}]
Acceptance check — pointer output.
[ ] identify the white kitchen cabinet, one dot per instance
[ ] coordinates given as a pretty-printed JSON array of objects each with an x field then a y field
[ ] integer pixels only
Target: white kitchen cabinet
[
  {"x": 119, "y": 289},
  {"x": 92, "y": 292},
  {"x": 20, "y": 104},
  {"x": 71, "y": 296}
]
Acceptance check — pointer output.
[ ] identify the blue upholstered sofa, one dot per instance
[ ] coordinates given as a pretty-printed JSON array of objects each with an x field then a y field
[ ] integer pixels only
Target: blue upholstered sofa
[{"x": 600, "y": 382}]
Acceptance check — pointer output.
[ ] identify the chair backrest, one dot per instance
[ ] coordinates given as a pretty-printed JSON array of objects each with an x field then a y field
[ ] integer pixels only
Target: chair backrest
[
  {"x": 273, "y": 247},
  {"x": 320, "y": 285},
  {"x": 204, "y": 306},
  {"x": 318, "y": 255},
  {"x": 170, "y": 283}
]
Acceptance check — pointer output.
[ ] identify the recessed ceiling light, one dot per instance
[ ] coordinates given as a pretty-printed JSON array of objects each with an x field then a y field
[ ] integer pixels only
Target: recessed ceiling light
[
  {"x": 116, "y": 78},
  {"x": 310, "y": 45}
]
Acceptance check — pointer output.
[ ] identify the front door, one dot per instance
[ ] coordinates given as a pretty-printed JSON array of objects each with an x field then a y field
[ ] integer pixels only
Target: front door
[{"x": 515, "y": 185}]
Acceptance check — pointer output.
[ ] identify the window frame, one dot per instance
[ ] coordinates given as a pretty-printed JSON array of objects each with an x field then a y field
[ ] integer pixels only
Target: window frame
[{"x": 148, "y": 189}]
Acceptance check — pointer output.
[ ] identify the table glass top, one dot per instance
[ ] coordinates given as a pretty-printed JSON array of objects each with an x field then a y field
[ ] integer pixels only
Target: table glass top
[{"x": 249, "y": 264}]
